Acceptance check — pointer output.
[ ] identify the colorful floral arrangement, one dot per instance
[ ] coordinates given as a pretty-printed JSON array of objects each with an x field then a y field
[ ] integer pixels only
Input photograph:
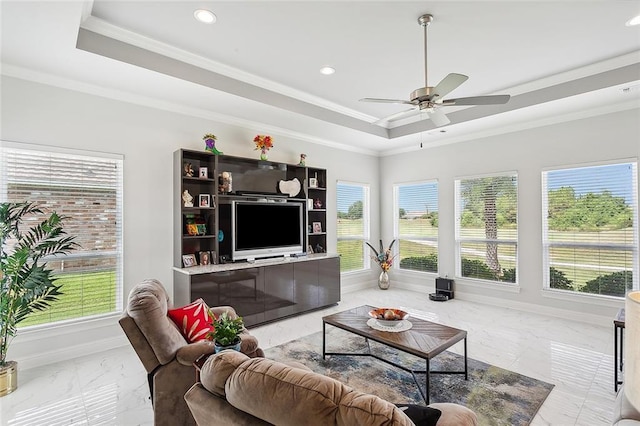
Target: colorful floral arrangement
[
  {"x": 263, "y": 142},
  {"x": 384, "y": 258}
]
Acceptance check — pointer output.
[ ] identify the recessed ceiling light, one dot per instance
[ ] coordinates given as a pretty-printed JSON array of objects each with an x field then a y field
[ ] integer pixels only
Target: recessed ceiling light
[
  {"x": 633, "y": 21},
  {"x": 327, "y": 70},
  {"x": 205, "y": 16}
]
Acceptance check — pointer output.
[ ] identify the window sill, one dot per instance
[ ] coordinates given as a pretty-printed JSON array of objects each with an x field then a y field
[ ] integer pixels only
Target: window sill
[
  {"x": 36, "y": 332},
  {"x": 591, "y": 299},
  {"x": 413, "y": 272},
  {"x": 509, "y": 288}
]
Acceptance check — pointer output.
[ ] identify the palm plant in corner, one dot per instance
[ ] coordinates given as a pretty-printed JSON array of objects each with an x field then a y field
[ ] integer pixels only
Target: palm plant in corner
[{"x": 26, "y": 284}]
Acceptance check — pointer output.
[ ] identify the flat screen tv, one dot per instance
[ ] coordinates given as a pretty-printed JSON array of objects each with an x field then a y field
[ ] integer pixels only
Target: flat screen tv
[{"x": 266, "y": 229}]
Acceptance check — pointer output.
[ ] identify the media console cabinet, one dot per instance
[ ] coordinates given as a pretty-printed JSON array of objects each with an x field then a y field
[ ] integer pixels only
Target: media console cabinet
[
  {"x": 260, "y": 291},
  {"x": 265, "y": 290}
]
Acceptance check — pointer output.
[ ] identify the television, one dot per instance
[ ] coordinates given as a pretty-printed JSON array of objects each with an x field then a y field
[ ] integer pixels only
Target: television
[{"x": 262, "y": 229}]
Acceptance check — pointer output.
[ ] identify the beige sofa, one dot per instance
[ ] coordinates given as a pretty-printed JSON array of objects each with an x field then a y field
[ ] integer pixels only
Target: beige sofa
[
  {"x": 237, "y": 390},
  {"x": 167, "y": 357}
]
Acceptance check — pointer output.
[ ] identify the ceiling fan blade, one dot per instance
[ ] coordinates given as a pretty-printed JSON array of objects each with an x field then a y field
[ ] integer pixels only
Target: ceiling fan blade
[
  {"x": 386, "y": 101},
  {"x": 479, "y": 100},
  {"x": 448, "y": 84},
  {"x": 397, "y": 115},
  {"x": 438, "y": 118}
]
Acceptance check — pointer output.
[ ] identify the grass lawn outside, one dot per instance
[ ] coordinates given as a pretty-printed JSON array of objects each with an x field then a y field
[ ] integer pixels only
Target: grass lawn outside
[{"x": 84, "y": 294}]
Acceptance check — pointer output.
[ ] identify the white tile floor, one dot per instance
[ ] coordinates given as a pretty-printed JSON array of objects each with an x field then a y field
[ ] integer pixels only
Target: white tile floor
[{"x": 111, "y": 389}]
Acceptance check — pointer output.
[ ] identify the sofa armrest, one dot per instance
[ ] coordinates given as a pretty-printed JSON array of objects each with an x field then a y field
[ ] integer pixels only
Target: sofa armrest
[
  {"x": 211, "y": 410},
  {"x": 188, "y": 354}
]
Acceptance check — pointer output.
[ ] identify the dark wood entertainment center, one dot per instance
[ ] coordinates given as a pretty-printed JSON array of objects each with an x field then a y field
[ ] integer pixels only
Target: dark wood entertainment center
[{"x": 267, "y": 289}]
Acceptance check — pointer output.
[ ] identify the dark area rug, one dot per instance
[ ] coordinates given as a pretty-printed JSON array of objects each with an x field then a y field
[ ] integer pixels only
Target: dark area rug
[{"x": 496, "y": 395}]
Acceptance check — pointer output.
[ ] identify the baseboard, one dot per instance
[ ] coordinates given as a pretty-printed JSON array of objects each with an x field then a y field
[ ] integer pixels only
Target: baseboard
[
  {"x": 537, "y": 309},
  {"x": 70, "y": 352},
  {"x": 587, "y": 318}
]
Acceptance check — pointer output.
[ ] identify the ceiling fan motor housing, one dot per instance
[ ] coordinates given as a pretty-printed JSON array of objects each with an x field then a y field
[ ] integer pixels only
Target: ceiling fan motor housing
[{"x": 422, "y": 94}]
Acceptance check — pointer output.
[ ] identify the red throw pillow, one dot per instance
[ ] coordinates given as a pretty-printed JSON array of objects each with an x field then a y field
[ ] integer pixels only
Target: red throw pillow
[{"x": 192, "y": 320}]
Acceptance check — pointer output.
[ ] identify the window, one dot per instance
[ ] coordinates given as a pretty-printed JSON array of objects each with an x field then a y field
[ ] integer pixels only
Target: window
[
  {"x": 87, "y": 189},
  {"x": 416, "y": 226},
  {"x": 353, "y": 225},
  {"x": 590, "y": 229},
  {"x": 487, "y": 227}
]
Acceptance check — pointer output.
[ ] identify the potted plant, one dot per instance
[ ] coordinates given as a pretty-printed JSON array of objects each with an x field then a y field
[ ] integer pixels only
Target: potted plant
[
  {"x": 26, "y": 284},
  {"x": 226, "y": 333}
]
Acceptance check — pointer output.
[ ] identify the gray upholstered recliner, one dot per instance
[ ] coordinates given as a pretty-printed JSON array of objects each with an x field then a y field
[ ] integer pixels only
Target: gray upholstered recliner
[{"x": 167, "y": 357}]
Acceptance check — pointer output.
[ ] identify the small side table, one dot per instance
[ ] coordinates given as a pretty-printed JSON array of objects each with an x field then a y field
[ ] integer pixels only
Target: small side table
[
  {"x": 199, "y": 363},
  {"x": 618, "y": 347}
]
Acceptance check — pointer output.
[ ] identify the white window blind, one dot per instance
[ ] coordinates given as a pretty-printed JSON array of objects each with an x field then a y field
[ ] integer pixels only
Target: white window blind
[
  {"x": 87, "y": 189},
  {"x": 487, "y": 227},
  {"x": 590, "y": 229},
  {"x": 416, "y": 226},
  {"x": 353, "y": 225}
]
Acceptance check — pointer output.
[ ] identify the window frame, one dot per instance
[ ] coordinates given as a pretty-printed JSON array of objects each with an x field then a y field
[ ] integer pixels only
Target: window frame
[
  {"x": 366, "y": 223},
  {"x": 396, "y": 225},
  {"x": 459, "y": 241},
  {"x": 118, "y": 253},
  {"x": 546, "y": 244}
]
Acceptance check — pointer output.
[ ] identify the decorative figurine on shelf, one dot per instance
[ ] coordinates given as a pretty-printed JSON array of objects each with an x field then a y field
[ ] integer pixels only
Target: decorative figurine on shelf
[
  {"x": 264, "y": 143},
  {"x": 318, "y": 249},
  {"x": 188, "y": 170},
  {"x": 187, "y": 198},
  {"x": 225, "y": 183},
  {"x": 210, "y": 143},
  {"x": 317, "y": 204},
  {"x": 302, "y": 158}
]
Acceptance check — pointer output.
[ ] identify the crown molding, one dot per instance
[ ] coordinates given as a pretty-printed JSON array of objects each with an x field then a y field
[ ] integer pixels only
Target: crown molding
[
  {"x": 109, "y": 30},
  {"x": 123, "y": 96}
]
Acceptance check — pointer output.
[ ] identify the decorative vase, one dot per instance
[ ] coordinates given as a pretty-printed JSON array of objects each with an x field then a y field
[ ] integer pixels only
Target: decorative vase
[
  {"x": 8, "y": 378},
  {"x": 263, "y": 154},
  {"x": 219, "y": 348},
  {"x": 383, "y": 280}
]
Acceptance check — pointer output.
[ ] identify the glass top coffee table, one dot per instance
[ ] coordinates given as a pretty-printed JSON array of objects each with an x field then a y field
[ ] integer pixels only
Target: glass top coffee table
[{"x": 425, "y": 339}]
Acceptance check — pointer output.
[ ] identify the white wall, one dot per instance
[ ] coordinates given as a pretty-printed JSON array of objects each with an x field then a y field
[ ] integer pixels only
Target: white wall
[
  {"x": 606, "y": 137},
  {"x": 40, "y": 114}
]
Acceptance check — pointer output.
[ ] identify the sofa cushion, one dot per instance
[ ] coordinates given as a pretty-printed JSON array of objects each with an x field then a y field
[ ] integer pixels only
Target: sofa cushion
[
  {"x": 217, "y": 369},
  {"x": 455, "y": 414},
  {"x": 421, "y": 415},
  {"x": 357, "y": 408},
  {"x": 192, "y": 320},
  {"x": 148, "y": 305},
  {"x": 286, "y": 395}
]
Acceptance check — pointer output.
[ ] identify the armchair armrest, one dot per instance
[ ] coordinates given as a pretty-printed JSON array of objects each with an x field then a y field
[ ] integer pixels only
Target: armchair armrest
[{"x": 188, "y": 354}]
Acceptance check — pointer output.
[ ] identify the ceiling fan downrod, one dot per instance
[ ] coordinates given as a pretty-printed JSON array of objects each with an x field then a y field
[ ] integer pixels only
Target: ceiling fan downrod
[{"x": 424, "y": 21}]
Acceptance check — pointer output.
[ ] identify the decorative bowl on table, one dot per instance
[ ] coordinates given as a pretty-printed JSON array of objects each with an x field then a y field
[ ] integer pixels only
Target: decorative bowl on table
[{"x": 388, "y": 317}]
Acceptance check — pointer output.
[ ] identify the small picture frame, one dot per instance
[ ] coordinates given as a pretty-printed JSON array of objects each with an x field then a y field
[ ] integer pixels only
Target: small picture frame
[
  {"x": 205, "y": 258},
  {"x": 189, "y": 260},
  {"x": 203, "y": 172},
  {"x": 204, "y": 200},
  {"x": 309, "y": 249},
  {"x": 313, "y": 182},
  {"x": 317, "y": 227},
  {"x": 213, "y": 257},
  {"x": 309, "y": 204}
]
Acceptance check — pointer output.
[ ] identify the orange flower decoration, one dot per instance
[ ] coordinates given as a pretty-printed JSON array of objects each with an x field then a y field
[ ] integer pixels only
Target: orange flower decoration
[{"x": 263, "y": 142}]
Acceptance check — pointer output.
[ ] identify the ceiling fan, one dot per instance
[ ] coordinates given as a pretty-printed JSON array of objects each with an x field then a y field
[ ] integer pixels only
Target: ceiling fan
[{"x": 430, "y": 99}]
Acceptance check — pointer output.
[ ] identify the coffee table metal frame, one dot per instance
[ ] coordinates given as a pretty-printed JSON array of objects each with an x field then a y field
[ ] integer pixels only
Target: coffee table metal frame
[{"x": 379, "y": 336}]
